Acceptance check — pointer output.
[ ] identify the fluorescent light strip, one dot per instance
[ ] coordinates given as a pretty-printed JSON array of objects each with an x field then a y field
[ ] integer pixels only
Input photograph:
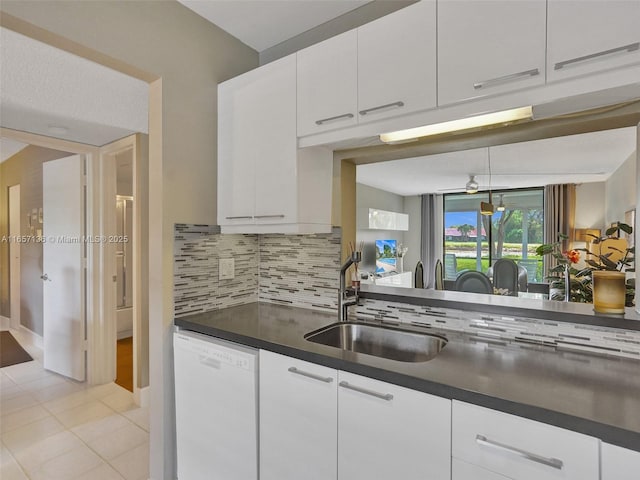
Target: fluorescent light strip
[{"x": 505, "y": 116}]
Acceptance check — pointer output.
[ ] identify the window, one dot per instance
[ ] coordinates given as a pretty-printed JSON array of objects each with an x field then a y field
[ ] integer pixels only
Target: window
[{"x": 473, "y": 241}]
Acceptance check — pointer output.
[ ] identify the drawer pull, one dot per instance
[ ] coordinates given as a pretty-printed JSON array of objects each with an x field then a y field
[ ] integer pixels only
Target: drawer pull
[
  {"x": 381, "y": 107},
  {"x": 366, "y": 391},
  {"x": 238, "y": 218},
  {"x": 550, "y": 462},
  {"x": 507, "y": 78},
  {"x": 269, "y": 216},
  {"x": 310, "y": 375},
  {"x": 331, "y": 119},
  {"x": 632, "y": 47}
]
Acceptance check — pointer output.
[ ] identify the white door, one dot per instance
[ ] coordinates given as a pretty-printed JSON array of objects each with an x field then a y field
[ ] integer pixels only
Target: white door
[
  {"x": 14, "y": 254},
  {"x": 63, "y": 273}
]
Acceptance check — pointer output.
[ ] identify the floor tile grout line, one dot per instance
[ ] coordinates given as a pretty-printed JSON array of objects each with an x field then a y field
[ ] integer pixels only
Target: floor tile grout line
[{"x": 93, "y": 397}]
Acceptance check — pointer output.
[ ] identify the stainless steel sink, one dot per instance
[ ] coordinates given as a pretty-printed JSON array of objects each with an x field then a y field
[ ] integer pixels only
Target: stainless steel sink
[{"x": 390, "y": 343}]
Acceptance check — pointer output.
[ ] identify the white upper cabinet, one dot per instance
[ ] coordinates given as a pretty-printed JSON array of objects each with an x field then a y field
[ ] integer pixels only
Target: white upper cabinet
[
  {"x": 328, "y": 84},
  {"x": 489, "y": 47},
  {"x": 590, "y": 36},
  {"x": 264, "y": 180},
  {"x": 619, "y": 463},
  {"x": 397, "y": 63}
]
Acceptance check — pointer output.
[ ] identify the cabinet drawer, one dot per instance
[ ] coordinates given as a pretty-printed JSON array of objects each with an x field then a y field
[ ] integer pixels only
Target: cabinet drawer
[{"x": 519, "y": 448}]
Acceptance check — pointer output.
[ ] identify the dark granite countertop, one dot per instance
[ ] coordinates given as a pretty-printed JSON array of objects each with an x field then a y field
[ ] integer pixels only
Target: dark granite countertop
[
  {"x": 526, "y": 307},
  {"x": 594, "y": 395}
]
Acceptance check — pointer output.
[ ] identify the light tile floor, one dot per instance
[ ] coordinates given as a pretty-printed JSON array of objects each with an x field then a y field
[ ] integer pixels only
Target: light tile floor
[{"x": 55, "y": 428}]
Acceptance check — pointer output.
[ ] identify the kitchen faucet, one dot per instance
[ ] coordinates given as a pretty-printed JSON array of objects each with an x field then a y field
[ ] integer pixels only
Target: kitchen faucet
[{"x": 345, "y": 298}]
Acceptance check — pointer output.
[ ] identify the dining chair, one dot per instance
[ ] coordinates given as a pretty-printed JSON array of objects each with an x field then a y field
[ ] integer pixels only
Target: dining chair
[
  {"x": 439, "y": 275},
  {"x": 505, "y": 275},
  {"x": 418, "y": 276},
  {"x": 473, "y": 282}
]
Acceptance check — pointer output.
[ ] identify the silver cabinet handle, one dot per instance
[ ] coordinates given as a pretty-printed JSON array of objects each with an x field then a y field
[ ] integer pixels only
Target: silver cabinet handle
[
  {"x": 506, "y": 78},
  {"x": 381, "y": 107},
  {"x": 238, "y": 217},
  {"x": 629, "y": 48},
  {"x": 269, "y": 216},
  {"x": 366, "y": 391},
  {"x": 550, "y": 462},
  {"x": 45, "y": 277},
  {"x": 310, "y": 375},
  {"x": 331, "y": 119}
]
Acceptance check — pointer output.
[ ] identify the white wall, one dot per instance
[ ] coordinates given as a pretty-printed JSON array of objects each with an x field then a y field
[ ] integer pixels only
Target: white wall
[
  {"x": 369, "y": 197},
  {"x": 620, "y": 191},
  {"x": 590, "y": 205}
]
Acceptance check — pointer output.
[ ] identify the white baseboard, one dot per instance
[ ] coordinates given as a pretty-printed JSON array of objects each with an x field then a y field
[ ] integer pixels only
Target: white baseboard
[
  {"x": 141, "y": 396},
  {"x": 35, "y": 339}
]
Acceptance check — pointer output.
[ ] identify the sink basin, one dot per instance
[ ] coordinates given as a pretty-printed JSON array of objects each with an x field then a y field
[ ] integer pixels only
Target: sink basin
[{"x": 390, "y": 343}]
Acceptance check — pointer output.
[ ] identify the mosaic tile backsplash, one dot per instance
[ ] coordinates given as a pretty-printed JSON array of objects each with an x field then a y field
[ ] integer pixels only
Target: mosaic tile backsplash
[
  {"x": 297, "y": 270},
  {"x": 559, "y": 335},
  {"x": 197, "y": 250}
]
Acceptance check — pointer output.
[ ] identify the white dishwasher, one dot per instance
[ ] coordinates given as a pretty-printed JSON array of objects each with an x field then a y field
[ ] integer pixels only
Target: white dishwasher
[{"x": 216, "y": 408}]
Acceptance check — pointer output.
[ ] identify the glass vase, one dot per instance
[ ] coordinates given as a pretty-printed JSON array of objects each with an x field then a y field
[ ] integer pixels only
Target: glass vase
[{"x": 609, "y": 291}]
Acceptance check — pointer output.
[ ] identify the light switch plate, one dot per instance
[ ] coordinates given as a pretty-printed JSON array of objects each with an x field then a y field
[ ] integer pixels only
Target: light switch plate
[{"x": 226, "y": 269}]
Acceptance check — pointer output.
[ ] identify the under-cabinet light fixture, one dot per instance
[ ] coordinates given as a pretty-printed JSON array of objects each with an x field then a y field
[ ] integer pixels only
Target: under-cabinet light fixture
[{"x": 505, "y": 116}]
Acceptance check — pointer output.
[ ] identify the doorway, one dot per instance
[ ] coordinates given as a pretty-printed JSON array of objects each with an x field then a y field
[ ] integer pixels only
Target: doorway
[
  {"x": 14, "y": 255},
  {"x": 125, "y": 271}
]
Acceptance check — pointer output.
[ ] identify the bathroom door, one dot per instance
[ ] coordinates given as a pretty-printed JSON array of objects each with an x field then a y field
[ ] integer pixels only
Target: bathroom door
[{"x": 64, "y": 272}]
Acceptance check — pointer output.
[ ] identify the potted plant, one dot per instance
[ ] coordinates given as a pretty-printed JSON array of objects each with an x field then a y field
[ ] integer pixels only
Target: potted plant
[
  {"x": 564, "y": 274},
  {"x": 609, "y": 258},
  {"x": 608, "y": 253}
]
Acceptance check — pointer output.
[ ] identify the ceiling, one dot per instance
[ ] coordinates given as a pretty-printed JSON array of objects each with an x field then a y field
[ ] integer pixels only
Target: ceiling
[
  {"x": 588, "y": 157},
  {"x": 51, "y": 92},
  {"x": 261, "y": 24}
]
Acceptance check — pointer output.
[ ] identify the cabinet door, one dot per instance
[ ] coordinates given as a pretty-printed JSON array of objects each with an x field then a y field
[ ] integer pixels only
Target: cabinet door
[
  {"x": 489, "y": 47},
  {"x": 275, "y": 143},
  {"x": 397, "y": 63},
  {"x": 465, "y": 471},
  {"x": 237, "y": 100},
  {"x": 386, "y": 431},
  {"x": 520, "y": 448},
  {"x": 327, "y": 84},
  {"x": 298, "y": 419},
  {"x": 590, "y": 36},
  {"x": 619, "y": 463}
]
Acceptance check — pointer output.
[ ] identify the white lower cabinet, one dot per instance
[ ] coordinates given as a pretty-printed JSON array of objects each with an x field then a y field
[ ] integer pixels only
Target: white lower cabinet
[
  {"x": 619, "y": 463},
  {"x": 465, "y": 471},
  {"x": 298, "y": 419},
  {"x": 390, "y": 432},
  {"x": 519, "y": 448}
]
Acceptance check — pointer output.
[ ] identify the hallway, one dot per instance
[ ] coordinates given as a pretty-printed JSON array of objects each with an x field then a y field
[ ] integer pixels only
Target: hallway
[{"x": 54, "y": 428}]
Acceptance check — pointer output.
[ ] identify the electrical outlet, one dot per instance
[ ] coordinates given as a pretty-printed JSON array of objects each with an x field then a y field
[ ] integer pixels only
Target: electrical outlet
[{"x": 226, "y": 269}]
